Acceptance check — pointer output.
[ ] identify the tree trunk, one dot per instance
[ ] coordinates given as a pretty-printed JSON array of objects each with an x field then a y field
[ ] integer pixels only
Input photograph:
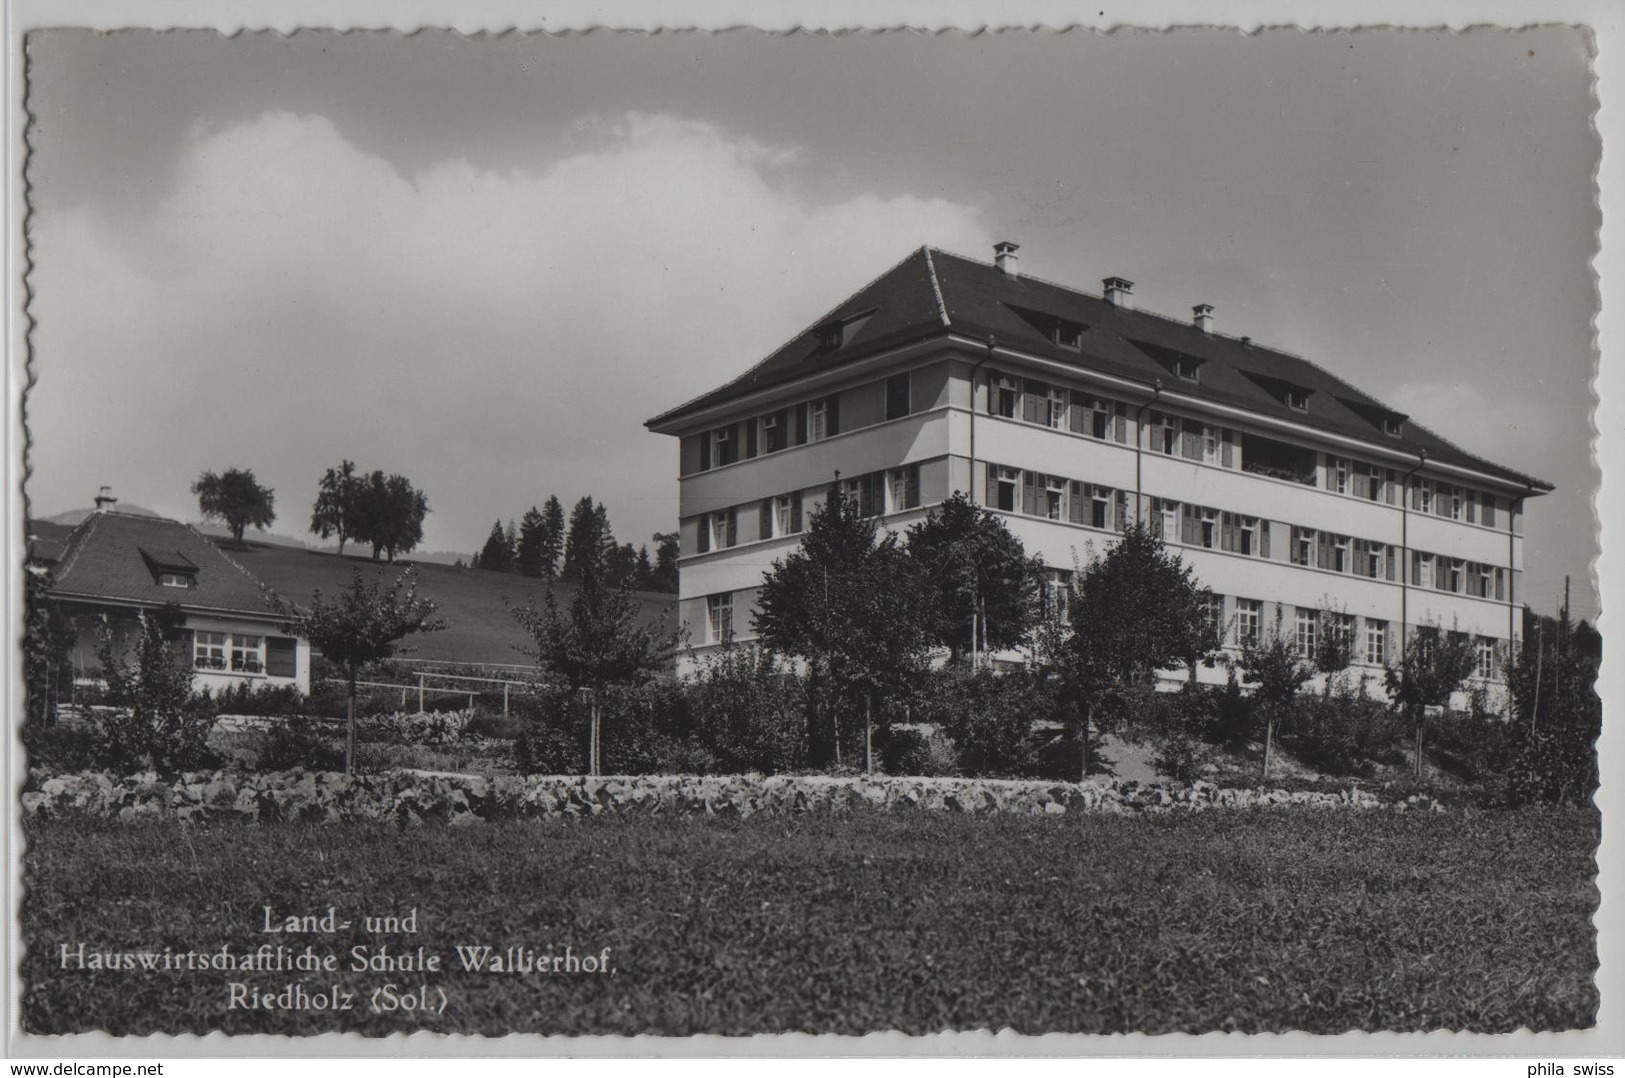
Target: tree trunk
[
  {"x": 349, "y": 731},
  {"x": 1269, "y": 742},
  {"x": 869, "y": 733},
  {"x": 1083, "y": 743},
  {"x": 1421, "y": 719},
  {"x": 592, "y": 735}
]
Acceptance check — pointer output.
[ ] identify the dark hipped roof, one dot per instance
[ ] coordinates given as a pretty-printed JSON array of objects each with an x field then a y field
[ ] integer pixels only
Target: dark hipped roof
[
  {"x": 933, "y": 292},
  {"x": 112, "y": 556}
]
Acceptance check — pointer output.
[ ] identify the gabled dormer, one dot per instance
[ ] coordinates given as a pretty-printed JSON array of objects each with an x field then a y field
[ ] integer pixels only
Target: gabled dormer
[
  {"x": 1181, "y": 365},
  {"x": 170, "y": 569},
  {"x": 837, "y": 333},
  {"x": 1387, "y": 420},
  {"x": 1062, "y": 332},
  {"x": 1295, "y": 396}
]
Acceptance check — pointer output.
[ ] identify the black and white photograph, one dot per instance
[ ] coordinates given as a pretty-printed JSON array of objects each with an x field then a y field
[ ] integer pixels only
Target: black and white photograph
[{"x": 750, "y": 532}]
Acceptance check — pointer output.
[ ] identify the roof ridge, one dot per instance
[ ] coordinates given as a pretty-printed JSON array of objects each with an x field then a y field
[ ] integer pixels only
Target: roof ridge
[
  {"x": 74, "y": 543},
  {"x": 936, "y": 286}
]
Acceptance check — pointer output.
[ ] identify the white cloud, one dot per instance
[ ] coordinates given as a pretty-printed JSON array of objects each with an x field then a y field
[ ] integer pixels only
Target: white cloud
[{"x": 294, "y": 300}]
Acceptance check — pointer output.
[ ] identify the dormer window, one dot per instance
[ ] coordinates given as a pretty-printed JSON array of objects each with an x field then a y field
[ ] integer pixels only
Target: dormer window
[
  {"x": 1297, "y": 398},
  {"x": 176, "y": 580},
  {"x": 1188, "y": 369},
  {"x": 1068, "y": 335},
  {"x": 839, "y": 332},
  {"x": 1393, "y": 426},
  {"x": 172, "y": 570}
]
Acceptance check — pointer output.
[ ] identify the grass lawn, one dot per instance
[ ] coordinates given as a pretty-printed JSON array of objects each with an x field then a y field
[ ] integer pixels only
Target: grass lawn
[{"x": 1325, "y": 921}]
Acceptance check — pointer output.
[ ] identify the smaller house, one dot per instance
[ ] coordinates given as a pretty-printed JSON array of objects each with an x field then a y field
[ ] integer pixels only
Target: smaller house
[{"x": 115, "y": 564}]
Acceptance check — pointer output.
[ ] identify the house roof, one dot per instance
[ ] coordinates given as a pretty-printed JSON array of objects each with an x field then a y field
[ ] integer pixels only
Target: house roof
[
  {"x": 933, "y": 292},
  {"x": 116, "y": 557},
  {"x": 46, "y": 541}
]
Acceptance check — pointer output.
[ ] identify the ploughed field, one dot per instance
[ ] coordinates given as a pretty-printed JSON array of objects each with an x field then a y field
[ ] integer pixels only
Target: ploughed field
[{"x": 1248, "y": 920}]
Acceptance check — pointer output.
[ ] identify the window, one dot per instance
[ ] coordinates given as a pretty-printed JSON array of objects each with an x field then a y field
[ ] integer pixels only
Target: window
[
  {"x": 1100, "y": 507},
  {"x": 1340, "y": 628},
  {"x": 1376, "y": 641},
  {"x": 1455, "y": 578},
  {"x": 1337, "y": 474},
  {"x": 1485, "y": 654},
  {"x": 868, "y": 492},
  {"x": 209, "y": 651},
  {"x": 247, "y": 654},
  {"x": 1303, "y": 546},
  {"x": 1393, "y": 426},
  {"x": 1069, "y": 335},
  {"x": 724, "y": 450},
  {"x": 1248, "y": 616},
  {"x": 1210, "y": 445},
  {"x": 1489, "y": 510},
  {"x": 771, "y": 432},
  {"x": 1207, "y": 531},
  {"x": 897, "y": 396},
  {"x": 787, "y": 515},
  {"x": 1422, "y": 570},
  {"x": 1052, "y": 500},
  {"x": 1373, "y": 483},
  {"x": 1341, "y": 557},
  {"x": 1368, "y": 558},
  {"x": 1001, "y": 487},
  {"x": 1422, "y": 496},
  {"x": 1189, "y": 369},
  {"x": 1164, "y": 433},
  {"x": 724, "y": 529},
  {"x": 176, "y": 580},
  {"x": 1451, "y": 503},
  {"x": 1297, "y": 399},
  {"x": 719, "y": 618},
  {"x": 1057, "y": 591},
  {"x": 818, "y": 420},
  {"x": 1212, "y": 615},
  {"x": 1002, "y": 394},
  {"x": 1165, "y": 519},
  {"x": 1056, "y": 416},
  {"x": 903, "y": 488},
  {"x": 1306, "y": 624}
]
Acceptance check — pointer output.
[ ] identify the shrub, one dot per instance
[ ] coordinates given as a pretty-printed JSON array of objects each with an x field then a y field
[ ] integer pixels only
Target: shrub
[
  {"x": 299, "y": 741},
  {"x": 989, "y": 717},
  {"x": 917, "y": 751},
  {"x": 61, "y": 748},
  {"x": 1345, "y": 733},
  {"x": 748, "y": 713},
  {"x": 1183, "y": 757},
  {"x": 271, "y": 700},
  {"x": 555, "y": 738},
  {"x": 155, "y": 720}
]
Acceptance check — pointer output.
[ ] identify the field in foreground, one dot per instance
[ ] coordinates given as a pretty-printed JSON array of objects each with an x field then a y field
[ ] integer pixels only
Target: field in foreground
[{"x": 1256, "y": 921}]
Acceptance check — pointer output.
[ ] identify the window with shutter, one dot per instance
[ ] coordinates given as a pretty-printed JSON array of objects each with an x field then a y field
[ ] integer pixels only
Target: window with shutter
[
  {"x": 1032, "y": 401},
  {"x": 1228, "y": 458},
  {"x": 1029, "y": 493},
  {"x": 281, "y": 656},
  {"x": 750, "y": 440},
  {"x": 764, "y": 526},
  {"x": 1076, "y": 502},
  {"x": 702, "y": 544},
  {"x": 1489, "y": 510},
  {"x": 1187, "y": 524},
  {"x": 705, "y": 452},
  {"x": 733, "y": 527},
  {"x": 802, "y": 411},
  {"x": 833, "y": 403}
]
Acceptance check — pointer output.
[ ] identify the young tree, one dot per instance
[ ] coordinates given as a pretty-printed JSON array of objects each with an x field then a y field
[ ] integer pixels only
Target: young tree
[
  {"x": 157, "y": 720},
  {"x": 237, "y": 499},
  {"x": 665, "y": 570},
  {"x": 528, "y": 554},
  {"x": 48, "y": 639},
  {"x": 1432, "y": 664},
  {"x": 1334, "y": 644},
  {"x": 1277, "y": 668},
  {"x": 363, "y": 624},
  {"x": 496, "y": 556},
  {"x": 851, "y": 607},
  {"x": 983, "y": 589},
  {"x": 1134, "y": 610},
  {"x": 335, "y": 510},
  {"x": 389, "y": 515},
  {"x": 600, "y": 642},
  {"x": 643, "y": 570}
]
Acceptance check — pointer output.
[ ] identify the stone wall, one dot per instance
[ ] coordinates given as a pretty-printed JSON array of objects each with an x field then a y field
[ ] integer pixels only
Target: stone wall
[{"x": 411, "y": 797}]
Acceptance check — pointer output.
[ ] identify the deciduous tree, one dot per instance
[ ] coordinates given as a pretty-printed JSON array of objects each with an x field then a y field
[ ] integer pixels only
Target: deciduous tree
[
  {"x": 362, "y": 624},
  {"x": 849, "y": 604},
  {"x": 982, "y": 587},
  {"x": 1432, "y": 665},
  {"x": 335, "y": 511},
  {"x": 237, "y": 499},
  {"x": 1273, "y": 663},
  {"x": 157, "y": 720},
  {"x": 390, "y": 514}
]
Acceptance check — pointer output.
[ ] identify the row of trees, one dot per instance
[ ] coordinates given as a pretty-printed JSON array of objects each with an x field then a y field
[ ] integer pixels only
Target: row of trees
[
  {"x": 385, "y": 511},
  {"x": 543, "y": 546}
]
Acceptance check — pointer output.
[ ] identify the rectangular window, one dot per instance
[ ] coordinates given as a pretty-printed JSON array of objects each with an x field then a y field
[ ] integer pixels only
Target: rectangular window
[
  {"x": 1422, "y": 496},
  {"x": 1212, "y": 614},
  {"x": 1306, "y": 625},
  {"x": 1337, "y": 474},
  {"x": 719, "y": 618},
  {"x": 1485, "y": 654},
  {"x": 1052, "y": 502},
  {"x": 1165, "y": 519},
  {"x": 770, "y": 432},
  {"x": 1489, "y": 510},
  {"x": 1303, "y": 546},
  {"x": 175, "y": 580},
  {"x": 1422, "y": 569},
  {"x": 247, "y": 654},
  {"x": 1057, "y": 593},
  {"x": 903, "y": 488},
  {"x": 1249, "y": 614},
  {"x": 724, "y": 450},
  {"x": 818, "y": 421},
  {"x": 1210, "y": 445},
  {"x": 787, "y": 515},
  {"x": 1456, "y": 577},
  {"x": 868, "y": 492},
  {"x": 1002, "y": 394},
  {"x": 1374, "y": 483},
  {"x": 1376, "y": 641},
  {"x": 1340, "y": 627},
  {"x": 1164, "y": 434},
  {"x": 1034, "y": 402},
  {"x": 209, "y": 651},
  {"x": 1001, "y": 487},
  {"x": 897, "y": 396},
  {"x": 1069, "y": 335},
  {"x": 724, "y": 529},
  {"x": 1100, "y": 507},
  {"x": 1342, "y": 557},
  {"x": 1056, "y": 406}
]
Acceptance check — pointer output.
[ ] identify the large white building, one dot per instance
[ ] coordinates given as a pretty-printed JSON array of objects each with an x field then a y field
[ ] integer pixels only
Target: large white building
[{"x": 1289, "y": 491}]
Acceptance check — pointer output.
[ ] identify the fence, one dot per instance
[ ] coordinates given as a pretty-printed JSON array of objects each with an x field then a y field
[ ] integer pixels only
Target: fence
[{"x": 423, "y": 688}]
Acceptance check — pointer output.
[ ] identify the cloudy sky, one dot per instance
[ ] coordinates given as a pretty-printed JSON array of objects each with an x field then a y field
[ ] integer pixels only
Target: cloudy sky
[{"x": 484, "y": 263}]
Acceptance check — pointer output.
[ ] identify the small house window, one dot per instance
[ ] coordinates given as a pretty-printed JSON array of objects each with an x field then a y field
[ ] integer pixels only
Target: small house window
[
  {"x": 177, "y": 580},
  {"x": 719, "y": 611},
  {"x": 1002, "y": 393},
  {"x": 209, "y": 651},
  {"x": 1297, "y": 399},
  {"x": 247, "y": 654},
  {"x": 897, "y": 396},
  {"x": 1069, "y": 335},
  {"x": 1248, "y": 617},
  {"x": 1392, "y": 426},
  {"x": 1376, "y": 640},
  {"x": 1188, "y": 369}
]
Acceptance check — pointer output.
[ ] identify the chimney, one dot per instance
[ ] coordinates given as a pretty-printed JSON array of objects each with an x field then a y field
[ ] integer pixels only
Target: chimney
[
  {"x": 105, "y": 499},
  {"x": 1004, "y": 256},
  {"x": 1202, "y": 315},
  {"x": 1119, "y": 292}
]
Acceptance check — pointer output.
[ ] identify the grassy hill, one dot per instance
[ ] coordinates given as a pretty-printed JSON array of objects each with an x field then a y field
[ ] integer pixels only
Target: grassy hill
[{"x": 479, "y": 627}]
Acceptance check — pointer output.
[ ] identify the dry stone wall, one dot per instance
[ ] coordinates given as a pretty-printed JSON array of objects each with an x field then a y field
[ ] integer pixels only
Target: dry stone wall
[{"x": 413, "y": 797}]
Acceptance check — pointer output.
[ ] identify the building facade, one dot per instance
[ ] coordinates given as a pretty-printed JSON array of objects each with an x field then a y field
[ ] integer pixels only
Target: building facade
[
  {"x": 115, "y": 565},
  {"x": 1292, "y": 494}
]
